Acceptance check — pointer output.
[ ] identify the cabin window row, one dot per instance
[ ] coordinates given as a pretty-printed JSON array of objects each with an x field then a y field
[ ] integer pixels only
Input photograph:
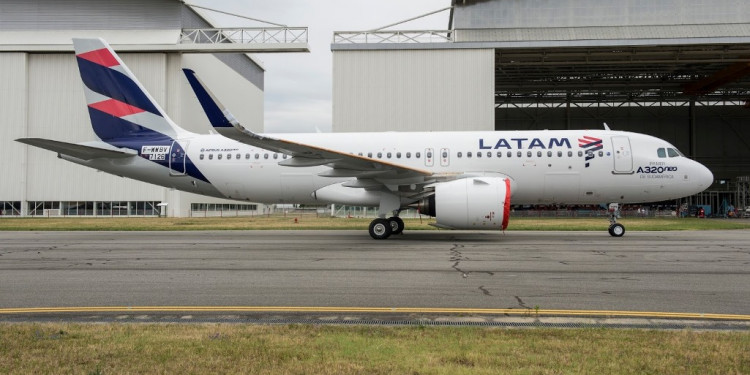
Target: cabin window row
[
  {"x": 529, "y": 154},
  {"x": 257, "y": 156}
]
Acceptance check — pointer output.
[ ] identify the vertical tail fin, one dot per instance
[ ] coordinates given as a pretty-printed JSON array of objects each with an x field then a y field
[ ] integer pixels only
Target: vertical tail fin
[{"x": 119, "y": 106}]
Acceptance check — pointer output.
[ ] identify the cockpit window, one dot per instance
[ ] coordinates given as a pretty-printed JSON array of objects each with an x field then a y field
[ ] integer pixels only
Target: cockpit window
[
  {"x": 673, "y": 153},
  {"x": 662, "y": 153}
]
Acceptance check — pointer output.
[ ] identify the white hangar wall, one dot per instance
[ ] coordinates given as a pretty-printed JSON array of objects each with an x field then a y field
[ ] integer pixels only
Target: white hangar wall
[{"x": 413, "y": 90}]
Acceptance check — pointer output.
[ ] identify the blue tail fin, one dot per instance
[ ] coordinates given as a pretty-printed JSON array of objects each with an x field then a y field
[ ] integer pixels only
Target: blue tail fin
[{"x": 119, "y": 106}]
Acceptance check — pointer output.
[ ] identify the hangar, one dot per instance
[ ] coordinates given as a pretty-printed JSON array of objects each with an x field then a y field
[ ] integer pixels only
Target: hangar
[
  {"x": 42, "y": 96},
  {"x": 675, "y": 69}
]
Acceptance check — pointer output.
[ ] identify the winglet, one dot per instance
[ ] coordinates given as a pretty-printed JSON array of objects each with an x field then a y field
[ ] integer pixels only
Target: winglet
[{"x": 217, "y": 114}]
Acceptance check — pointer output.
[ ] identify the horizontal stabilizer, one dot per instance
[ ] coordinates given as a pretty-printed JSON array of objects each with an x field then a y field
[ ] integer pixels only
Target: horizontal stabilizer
[{"x": 82, "y": 152}]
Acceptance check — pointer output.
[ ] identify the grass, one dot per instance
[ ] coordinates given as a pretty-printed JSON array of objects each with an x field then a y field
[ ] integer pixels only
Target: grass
[
  {"x": 301, "y": 349},
  {"x": 314, "y": 223}
]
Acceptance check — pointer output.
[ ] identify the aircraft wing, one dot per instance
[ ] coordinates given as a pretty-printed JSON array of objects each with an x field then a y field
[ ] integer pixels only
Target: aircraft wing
[
  {"x": 83, "y": 152},
  {"x": 303, "y": 155}
]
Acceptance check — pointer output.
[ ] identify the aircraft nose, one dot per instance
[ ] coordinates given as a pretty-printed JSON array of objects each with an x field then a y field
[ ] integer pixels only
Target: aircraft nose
[{"x": 703, "y": 176}]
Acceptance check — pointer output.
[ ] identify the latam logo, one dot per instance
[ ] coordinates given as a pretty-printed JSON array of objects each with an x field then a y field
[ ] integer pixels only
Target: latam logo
[
  {"x": 590, "y": 144},
  {"x": 523, "y": 143}
]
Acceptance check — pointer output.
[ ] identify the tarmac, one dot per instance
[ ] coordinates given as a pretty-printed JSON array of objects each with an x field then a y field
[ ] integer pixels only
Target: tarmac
[{"x": 345, "y": 275}]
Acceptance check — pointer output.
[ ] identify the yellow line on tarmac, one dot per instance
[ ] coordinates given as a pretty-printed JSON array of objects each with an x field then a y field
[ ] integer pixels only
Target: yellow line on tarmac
[{"x": 323, "y": 309}]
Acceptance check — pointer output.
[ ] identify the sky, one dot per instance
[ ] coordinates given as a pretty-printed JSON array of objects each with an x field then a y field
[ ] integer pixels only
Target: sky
[{"x": 298, "y": 86}]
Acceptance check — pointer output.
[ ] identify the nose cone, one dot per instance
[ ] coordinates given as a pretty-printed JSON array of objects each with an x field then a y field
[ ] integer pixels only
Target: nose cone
[{"x": 703, "y": 177}]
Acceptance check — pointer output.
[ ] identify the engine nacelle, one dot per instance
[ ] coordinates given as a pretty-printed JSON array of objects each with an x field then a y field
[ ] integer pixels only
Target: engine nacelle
[{"x": 470, "y": 203}]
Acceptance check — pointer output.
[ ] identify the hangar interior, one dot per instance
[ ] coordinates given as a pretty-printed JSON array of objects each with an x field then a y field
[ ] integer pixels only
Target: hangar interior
[
  {"x": 42, "y": 96},
  {"x": 675, "y": 69}
]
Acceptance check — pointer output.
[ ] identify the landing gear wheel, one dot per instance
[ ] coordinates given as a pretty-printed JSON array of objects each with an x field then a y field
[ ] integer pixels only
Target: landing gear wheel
[
  {"x": 397, "y": 225},
  {"x": 616, "y": 230},
  {"x": 380, "y": 229}
]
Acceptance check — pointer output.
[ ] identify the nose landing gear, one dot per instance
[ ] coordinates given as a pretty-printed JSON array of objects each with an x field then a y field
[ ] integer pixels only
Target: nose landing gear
[{"x": 615, "y": 229}]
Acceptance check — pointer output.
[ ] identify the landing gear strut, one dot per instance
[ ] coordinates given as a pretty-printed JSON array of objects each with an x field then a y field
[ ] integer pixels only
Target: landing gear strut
[{"x": 615, "y": 229}]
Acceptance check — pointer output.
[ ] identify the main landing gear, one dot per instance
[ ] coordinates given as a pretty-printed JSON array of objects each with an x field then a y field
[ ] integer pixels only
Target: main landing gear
[
  {"x": 381, "y": 229},
  {"x": 615, "y": 229}
]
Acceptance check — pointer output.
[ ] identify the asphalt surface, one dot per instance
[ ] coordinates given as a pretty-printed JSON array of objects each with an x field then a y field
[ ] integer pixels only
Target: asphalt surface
[{"x": 691, "y": 272}]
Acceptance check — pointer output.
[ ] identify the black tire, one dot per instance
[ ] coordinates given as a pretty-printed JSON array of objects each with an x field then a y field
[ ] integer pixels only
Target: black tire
[
  {"x": 380, "y": 229},
  {"x": 397, "y": 225},
  {"x": 616, "y": 230}
]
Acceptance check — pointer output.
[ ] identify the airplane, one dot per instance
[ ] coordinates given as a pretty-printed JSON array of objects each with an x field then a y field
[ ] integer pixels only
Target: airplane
[{"x": 466, "y": 180}]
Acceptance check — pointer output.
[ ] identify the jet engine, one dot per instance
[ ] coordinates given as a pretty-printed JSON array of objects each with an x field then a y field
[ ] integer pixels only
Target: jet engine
[{"x": 470, "y": 203}]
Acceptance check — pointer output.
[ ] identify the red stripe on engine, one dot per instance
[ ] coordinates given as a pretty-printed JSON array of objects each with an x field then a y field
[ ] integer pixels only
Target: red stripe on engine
[
  {"x": 101, "y": 57},
  {"x": 506, "y": 205},
  {"x": 116, "y": 108}
]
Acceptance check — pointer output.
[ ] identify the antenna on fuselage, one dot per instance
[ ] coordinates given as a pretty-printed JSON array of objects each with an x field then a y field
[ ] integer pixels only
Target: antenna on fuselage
[{"x": 606, "y": 127}]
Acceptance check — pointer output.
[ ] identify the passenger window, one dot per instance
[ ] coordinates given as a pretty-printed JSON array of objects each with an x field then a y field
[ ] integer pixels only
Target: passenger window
[
  {"x": 398, "y": 155},
  {"x": 479, "y": 154},
  {"x": 539, "y": 154},
  {"x": 229, "y": 156},
  {"x": 359, "y": 154},
  {"x": 445, "y": 154},
  {"x": 549, "y": 154},
  {"x": 528, "y": 154},
  {"x": 210, "y": 156},
  {"x": 275, "y": 156},
  {"x": 580, "y": 153},
  {"x": 601, "y": 153},
  {"x": 218, "y": 156},
  {"x": 380, "y": 155},
  {"x": 459, "y": 154},
  {"x": 418, "y": 155},
  {"x": 489, "y": 154},
  {"x": 201, "y": 157},
  {"x": 247, "y": 156},
  {"x": 239, "y": 156},
  {"x": 559, "y": 154},
  {"x": 661, "y": 153},
  {"x": 429, "y": 154},
  {"x": 408, "y": 155},
  {"x": 672, "y": 153},
  {"x": 519, "y": 153},
  {"x": 388, "y": 155},
  {"x": 570, "y": 154},
  {"x": 257, "y": 156},
  {"x": 511, "y": 154},
  {"x": 265, "y": 156},
  {"x": 468, "y": 154},
  {"x": 284, "y": 156},
  {"x": 499, "y": 154}
]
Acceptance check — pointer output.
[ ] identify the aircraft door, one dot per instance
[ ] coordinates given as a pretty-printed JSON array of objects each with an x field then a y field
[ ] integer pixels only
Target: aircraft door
[
  {"x": 445, "y": 157},
  {"x": 622, "y": 154},
  {"x": 429, "y": 157},
  {"x": 178, "y": 159}
]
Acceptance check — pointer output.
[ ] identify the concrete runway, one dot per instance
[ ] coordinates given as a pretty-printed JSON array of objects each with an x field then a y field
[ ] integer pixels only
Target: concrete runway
[{"x": 691, "y": 272}]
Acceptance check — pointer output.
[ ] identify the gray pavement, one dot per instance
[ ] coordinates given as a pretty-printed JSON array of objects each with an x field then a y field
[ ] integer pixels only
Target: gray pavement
[{"x": 692, "y": 271}]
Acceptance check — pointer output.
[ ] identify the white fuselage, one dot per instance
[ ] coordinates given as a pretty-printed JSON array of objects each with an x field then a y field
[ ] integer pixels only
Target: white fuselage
[{"x": 546, "y": 167}]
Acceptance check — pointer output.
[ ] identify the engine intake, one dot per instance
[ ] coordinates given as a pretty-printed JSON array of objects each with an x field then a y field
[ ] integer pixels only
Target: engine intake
[{"x": 470, "y": 203}]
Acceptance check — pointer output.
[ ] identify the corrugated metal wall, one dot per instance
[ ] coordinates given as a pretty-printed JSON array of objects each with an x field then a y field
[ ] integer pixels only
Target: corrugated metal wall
[
  {"x": 90, "y": 15},
  {"x": 576, "y": 13},
  {"x": 413, "y": 90},
  {"x": 12, "y": 125}
]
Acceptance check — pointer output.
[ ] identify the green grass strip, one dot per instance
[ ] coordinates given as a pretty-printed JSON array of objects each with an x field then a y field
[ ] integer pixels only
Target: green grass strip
[
  {"x": 315, "y": 223},
  {"x": 300, "y": 349}
]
